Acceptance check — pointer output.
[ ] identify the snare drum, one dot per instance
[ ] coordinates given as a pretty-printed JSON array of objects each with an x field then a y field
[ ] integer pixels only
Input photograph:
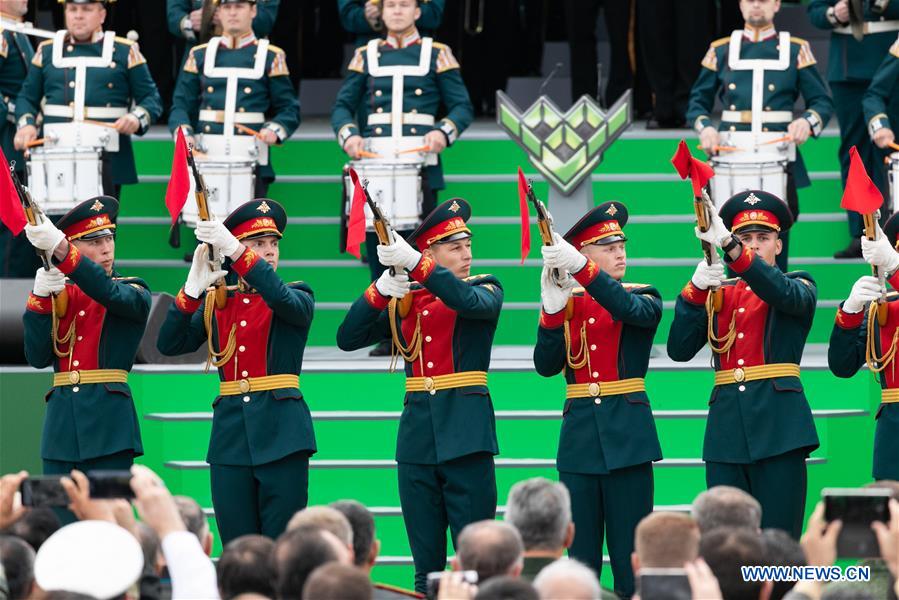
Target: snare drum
[
  {"x": 394, "y": 186},
  {"x": 740, "y": 171},
  {"x": 81, "y": 135},
  {"x": 228, "y": 148},
  {"x": 230, "y": 184},
  {"x": 60, "y": 178},
  {"x": 894, "y": 182}
]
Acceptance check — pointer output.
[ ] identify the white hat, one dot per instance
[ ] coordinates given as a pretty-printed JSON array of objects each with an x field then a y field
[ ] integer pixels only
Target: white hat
[{"x": 97, "y": 558}]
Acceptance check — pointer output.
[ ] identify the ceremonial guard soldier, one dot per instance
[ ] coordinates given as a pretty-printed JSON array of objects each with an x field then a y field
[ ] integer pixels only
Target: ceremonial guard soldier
[
  {"x": 877, "y": 103},
  {"x": 363, "y": 18},
  {"x": 396, "y": 86},
  {"x": 760, "y": 428},
  {"x": 860, "y": 336},
  {"x": 195, "y": 21},
  {"x": 443, "y": 328},
  {"x": 256, "y": 333},
  {"x": 17, "y": 258},
  {"x": 861, "y": 36},
  {"x": 82, "y": 64},
  {"x": 236, "y": 87},
  {"x": 600, "y": 335},
  {"x": 759, "y": 73},
  {"x": 91, "y": 343}
]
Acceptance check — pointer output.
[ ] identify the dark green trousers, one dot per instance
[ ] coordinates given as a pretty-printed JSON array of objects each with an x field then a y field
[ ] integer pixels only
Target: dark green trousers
[
  {"x": 779, "y": 483},
  {"x": 259, "y": 499},
  {"x": 120, "y": 461},
  {"x": 613, "y": 505},
  {"x": 454, "y": 494}
]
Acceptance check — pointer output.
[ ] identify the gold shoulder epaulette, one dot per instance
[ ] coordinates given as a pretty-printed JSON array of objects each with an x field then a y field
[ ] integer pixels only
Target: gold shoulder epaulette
[
  {"x": 125, "y": 41},
  {"x": 275, "y": 49},
  {"x": 720, "y": 42},
  {"x": 473, "y": 277},
  {"x": 198, "y": 47},
  {"x": 798, "y": 40},
  {"x": 438, "y": 45}
]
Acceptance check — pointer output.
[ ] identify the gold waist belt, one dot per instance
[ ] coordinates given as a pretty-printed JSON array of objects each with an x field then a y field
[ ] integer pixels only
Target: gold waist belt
[
  {"x": 888, "y": 396},
  {"x": 446, "y": 382},
  {"x": 605, "y": 388},
  {"x": 94, "y": 376},
  {"x": 741, "y": 374},
  {"x": 258, "y": 384}
]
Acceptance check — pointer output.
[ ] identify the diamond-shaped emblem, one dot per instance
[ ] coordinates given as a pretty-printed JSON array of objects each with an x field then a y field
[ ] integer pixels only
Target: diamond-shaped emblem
[
  {"x": 564, "y": 146},
  {"x": 752, "y": 200},
  {"x": 97, "y": 206},
  {"x": 454, "y": 207},
  {"x": 612, "y": 211},
  {"x": 264, "y": 207}
]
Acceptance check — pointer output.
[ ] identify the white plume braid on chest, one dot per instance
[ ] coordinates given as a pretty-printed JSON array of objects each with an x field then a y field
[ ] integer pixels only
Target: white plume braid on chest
[
  {"x": 758, "y": 66},
  {"x": 81, "y": 65},
  {"x": 398, "y": 72},
  {"x": 231, "y": 75}
]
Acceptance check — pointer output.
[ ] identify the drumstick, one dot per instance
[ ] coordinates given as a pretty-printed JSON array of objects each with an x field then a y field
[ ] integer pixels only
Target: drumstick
[
  {"x": 35, "y": 143},
  {"x": 786, "y": 138},
  {"x": 893, "y": 145},
  {"x": 720, "y": 148},
  {"x": 424, "y": 148},
  {"x": 248, "y": 131},
  {"x": 367, "y": 154},
  {"x": 99, "y": 123}
]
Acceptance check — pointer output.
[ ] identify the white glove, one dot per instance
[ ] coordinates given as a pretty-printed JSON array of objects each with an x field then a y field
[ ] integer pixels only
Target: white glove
[
  {"x": 562, "y": 256},
  {"x": 395, "y": 286},
  {"x": 201, "y": 275},
  {"x": 864, "y": 291},
  {"x": 44, "y": 236},
  {"x": 707, "y": 276},
  {"x": 880, "y": 252},
  {"x": 398, "y": 254},
  {"x": 215, "y": 233},
  {"x": 555, "y": 298},
  {"x": 717, "y": 234},
  {"x": 48, "y": 282}
]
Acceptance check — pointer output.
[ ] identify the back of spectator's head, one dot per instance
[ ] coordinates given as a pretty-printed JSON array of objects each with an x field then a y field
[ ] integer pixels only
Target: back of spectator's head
[
  {"x": 300, "y": 551},
  {"x": 726, "y": 506},
  {"x": 97, "y": 558},
  {"x": 327, "y": 518},
  {"x": 491, "y": 548},
  {"x": 35, "y": 526},
  {"x": 507, "y": 588},
  {"x": 64, "y": 595},
  {"x": 781, "y": 549},
  {"x": 889, "y": 484},
  {"x": 195, "y": 520},
  {"x": 335, "y": 581},
  {"x": 567, "y": 578},
  {"x": 149, "y": 543},
  {"x": 665, "y": 540},
  {"x": 540, "y": 510},
  {"x": 17, "y": 558},
  {"x": 365, "y": 545},
  {"x": 726, "y": 550},
  {"x": 245, "y": 566}
]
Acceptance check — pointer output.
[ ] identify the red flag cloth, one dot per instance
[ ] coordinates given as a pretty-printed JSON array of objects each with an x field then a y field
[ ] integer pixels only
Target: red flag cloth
[
  {"x": 860, "y": 195},
  {"x": 11, "y": 212},
  {"x": 525, "y": 215},
  {"x": 355, "y": 228},
  {"x": 687, "y": 166},
  {"x": 179, "y": 181}
]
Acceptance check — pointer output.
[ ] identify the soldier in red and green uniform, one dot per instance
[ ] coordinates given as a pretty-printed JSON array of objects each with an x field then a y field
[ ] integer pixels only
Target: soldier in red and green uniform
[
  {"x": 447, "y": 432},
  {"x": 91, "y": 422},
  {"x": 760, "y": 428},
  {"x": 262, "y": 434},
  {"x": 600, "y": 336},
  {"x": 857, "y": 332}
]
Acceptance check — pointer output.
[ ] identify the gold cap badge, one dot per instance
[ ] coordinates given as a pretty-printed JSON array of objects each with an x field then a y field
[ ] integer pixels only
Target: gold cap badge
[{"x": 264, "y": 207}]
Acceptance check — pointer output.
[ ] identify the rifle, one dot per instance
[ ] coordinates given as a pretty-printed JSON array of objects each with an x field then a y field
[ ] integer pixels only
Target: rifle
[
  {"x": 870, "y": 220},
  {"x": 544, "y": 225},
  {"x": 36, "y": 216},
  {"x": 206, "y": 16},
  {"x": 201, "y": 193}
]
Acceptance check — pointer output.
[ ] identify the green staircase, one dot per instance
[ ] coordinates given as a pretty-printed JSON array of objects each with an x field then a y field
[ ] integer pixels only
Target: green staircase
[{"x": 356, "y": 402}]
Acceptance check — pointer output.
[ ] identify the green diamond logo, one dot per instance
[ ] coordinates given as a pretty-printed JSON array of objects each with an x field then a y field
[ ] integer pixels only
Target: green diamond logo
[{"x": 564, "y": 146}]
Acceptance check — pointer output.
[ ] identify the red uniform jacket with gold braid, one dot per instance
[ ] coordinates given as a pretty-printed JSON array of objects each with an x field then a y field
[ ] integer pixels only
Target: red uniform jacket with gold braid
[
  {"x": 271, "y": 321},
  {"x": 109, "y": 315},
  {"x": 846, "y": 355},
  {"x": 772, "y": 314},
  {"x": 457, "y": 323},
  {"x": 619, "y": 322}
]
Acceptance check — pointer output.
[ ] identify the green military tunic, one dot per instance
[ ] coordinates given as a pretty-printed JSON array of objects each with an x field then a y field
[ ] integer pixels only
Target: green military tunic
[
  {"x": 268, "y": 101},
  {"x": 88, "y": 422},
  {"x": 178, "y": 19},
  {"x": 109, "y": 90},
  {"x": 367, "y": 93},
  {"x": 879, "y": 94},
  {"x": 796, "y": 77},
  {"x": 17, "y": 257},
  {"x": 352, "y": 17}
]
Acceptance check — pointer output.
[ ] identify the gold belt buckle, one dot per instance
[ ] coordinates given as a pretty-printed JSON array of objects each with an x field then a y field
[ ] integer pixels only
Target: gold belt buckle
[
  {"x": 745, "y": 116},
  {"x": 593, "y": 389},
  {"x": 739, "y": 375},
  {"x": 429, "y": 383},
  {"x": 244, "y": 385},
  {"x": 75, "y": 376}
]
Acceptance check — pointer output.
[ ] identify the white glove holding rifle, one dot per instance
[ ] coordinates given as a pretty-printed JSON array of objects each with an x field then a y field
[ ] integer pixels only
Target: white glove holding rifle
[
  {"x": 555, "y": 295},
  {"x": 201, "y": 275},
  {"x": 48, "y": 282},
  {"x": 394, "y": 286},
  {"x": 880, "y": 252},
  {"x": 864, "y": 291},
  {"x": 215, "y": 233},
  {"x": 398, "y": 254}
]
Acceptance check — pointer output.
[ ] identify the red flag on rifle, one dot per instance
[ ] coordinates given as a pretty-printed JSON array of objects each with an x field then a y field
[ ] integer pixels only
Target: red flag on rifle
[
  {"x": 860, "y": 195},
  {"x": 179, "y": 181},
  {"x": 355, "y": 229},
  {"x": 687, "y": 166},
  {"x": 525, "y": 215},
  {"x": 11, "y": 212}
]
